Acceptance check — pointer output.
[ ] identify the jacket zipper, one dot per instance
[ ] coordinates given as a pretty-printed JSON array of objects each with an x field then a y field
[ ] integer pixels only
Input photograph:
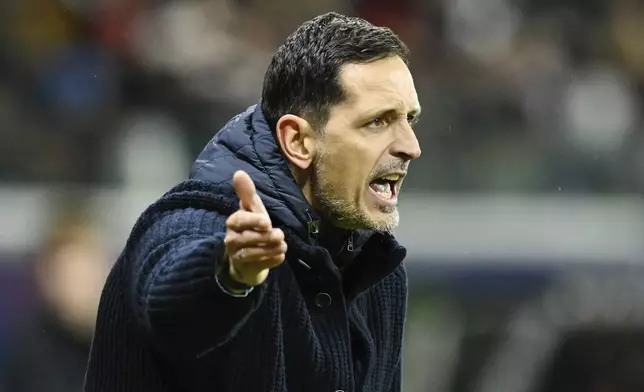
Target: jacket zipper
[
  {"x": 313, "y": 225},
  {"x": 350, "y": 242}
]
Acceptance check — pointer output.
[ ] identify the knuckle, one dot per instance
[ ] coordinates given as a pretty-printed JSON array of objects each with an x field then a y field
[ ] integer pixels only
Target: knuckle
[
  {"x": 235, "y": 218},
  {"x": 237, "y": 213},
  {"x": 246, "y": 235},
  {"x": 260, "y": 219}
]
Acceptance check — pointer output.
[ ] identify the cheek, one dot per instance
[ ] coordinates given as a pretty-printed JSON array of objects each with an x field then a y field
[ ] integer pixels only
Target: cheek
[
  {"x": 349, "y": 159},
  {"x": 346, "y": 169}
]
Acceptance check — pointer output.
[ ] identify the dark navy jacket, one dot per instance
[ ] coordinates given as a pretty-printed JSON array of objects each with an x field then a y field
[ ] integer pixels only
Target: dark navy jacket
[{"x": 165, "y": 325}]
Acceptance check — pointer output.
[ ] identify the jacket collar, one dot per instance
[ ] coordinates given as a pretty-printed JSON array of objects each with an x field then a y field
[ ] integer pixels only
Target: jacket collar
[{"x": 247, "y": 143}]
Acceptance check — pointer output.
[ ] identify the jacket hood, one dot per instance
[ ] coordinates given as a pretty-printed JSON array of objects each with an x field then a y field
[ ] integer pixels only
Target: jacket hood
[{"x": 247, "y": 143}]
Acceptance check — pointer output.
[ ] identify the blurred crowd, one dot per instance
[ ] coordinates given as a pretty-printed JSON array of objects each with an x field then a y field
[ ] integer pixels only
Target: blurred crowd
[
  {"x": 519, "y": 96},
  {"x": 45, "y": 348}
]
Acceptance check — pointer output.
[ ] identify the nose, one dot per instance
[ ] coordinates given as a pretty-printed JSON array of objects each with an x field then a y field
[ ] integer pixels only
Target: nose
[{"x": 406, "y": 145}]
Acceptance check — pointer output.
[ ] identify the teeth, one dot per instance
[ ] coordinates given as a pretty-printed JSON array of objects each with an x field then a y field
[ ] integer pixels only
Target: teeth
[
  {"x": 391, "y": 177},
  {"x": 383, "y": 190}
]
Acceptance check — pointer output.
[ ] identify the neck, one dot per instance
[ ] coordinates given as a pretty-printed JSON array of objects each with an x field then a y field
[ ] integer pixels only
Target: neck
[{"x": 303, "y": 180}]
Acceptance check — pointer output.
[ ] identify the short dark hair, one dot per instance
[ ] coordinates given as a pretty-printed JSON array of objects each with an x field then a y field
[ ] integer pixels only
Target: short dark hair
[{"x": 303, "y": 76}]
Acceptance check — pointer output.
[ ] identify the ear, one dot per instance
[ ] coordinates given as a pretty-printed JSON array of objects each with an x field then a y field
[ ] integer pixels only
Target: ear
[{"x": 297, "y": 140}]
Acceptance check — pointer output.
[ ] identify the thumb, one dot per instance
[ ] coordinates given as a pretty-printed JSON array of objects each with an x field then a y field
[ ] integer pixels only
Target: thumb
[{"x": 245, "y": 190}]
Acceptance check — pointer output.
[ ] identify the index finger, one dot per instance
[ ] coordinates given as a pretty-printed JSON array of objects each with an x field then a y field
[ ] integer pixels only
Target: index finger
[{"x": 247, "y": 193}]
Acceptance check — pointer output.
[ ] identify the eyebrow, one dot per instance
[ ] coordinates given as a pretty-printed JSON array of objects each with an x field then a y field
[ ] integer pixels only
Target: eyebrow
[{"x": 392, "y": 110}]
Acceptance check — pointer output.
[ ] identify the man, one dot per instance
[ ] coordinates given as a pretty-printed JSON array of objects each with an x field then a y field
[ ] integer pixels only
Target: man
[{"x": 206, "y": 296}]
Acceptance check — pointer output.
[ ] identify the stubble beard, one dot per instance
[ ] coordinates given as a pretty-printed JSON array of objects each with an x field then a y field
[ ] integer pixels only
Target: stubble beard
[{"x": 344, "y": 213}]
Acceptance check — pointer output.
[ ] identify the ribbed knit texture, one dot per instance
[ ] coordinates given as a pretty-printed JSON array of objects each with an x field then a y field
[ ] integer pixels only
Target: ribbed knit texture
[{"x": 164, "y": 325}]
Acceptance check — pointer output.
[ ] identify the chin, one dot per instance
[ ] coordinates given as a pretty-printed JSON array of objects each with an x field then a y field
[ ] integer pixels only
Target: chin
[{"x": 383, "y": 220}]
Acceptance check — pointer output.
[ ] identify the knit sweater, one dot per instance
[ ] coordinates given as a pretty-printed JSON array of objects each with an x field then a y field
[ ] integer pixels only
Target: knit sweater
[{"x": 165, "y": 325}]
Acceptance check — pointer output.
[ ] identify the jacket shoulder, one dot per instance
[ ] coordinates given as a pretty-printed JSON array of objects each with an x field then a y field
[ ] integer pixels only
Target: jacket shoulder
[
  {"x": 188, "y": 195},
  {"x": 193, "y": 194}
]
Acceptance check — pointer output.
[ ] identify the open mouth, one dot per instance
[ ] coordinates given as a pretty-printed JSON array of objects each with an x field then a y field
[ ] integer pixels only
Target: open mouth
[{"x": 387, "y": 186}]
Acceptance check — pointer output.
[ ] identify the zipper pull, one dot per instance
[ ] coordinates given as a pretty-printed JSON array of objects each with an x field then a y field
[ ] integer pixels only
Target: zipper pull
[
  {"x": 350, "y": 242},
  {"x": 312, "y": 225}
]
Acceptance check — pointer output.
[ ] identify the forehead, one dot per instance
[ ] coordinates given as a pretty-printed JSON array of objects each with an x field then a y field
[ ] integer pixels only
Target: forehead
[{"x": 385, "y": 83}]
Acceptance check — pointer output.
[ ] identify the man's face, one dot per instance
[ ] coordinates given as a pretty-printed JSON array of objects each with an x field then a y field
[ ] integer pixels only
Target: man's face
[{"x": 366, "y": 146}]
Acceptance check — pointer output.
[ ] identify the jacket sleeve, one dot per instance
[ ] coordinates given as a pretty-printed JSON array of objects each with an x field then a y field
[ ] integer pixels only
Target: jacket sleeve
[
  {"x": 397, "y": 381},
  {"x": 174, "y": 292}
]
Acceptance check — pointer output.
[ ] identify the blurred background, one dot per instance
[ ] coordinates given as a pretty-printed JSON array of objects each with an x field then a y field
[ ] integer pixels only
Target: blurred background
[{"x": 524, "y": 217}]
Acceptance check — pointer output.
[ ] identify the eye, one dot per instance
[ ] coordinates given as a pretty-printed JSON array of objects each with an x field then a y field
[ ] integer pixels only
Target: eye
[
  {"x": 412, "y": 119},
  {"x": 379, "y": 122}
]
